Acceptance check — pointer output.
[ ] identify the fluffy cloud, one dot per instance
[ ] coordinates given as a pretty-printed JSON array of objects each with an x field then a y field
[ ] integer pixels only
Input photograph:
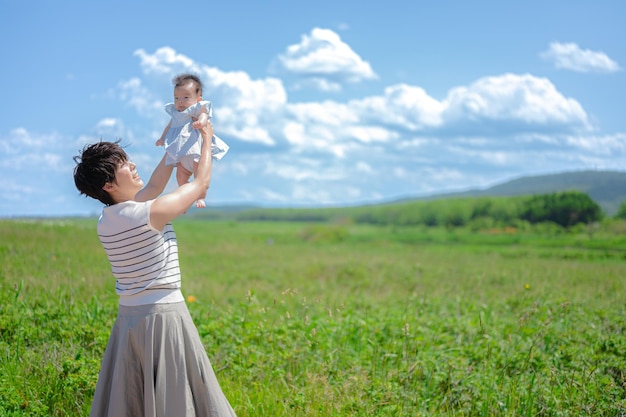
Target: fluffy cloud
[
  {"x": 402, "y": 133},
  {"x": 599, "y": 144},
  {"x": 323, "y": 60},
  {"x": 257, "y": 111},
  {"x": 140, "y": 97},
  {"x": 401, "y": 106},
  {"x": 570, "y": 56},
  {"x": 164, "y": 61},
  {"x": 521, "y": 102},
  {"x": 399, "y": 142},
  {"x": 20, "y": 139},
  {"x": 244, "y": 107}
]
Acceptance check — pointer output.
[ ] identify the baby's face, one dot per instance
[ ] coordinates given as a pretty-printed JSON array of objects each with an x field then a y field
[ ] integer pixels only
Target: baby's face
[{"x": 185, "y": 95}]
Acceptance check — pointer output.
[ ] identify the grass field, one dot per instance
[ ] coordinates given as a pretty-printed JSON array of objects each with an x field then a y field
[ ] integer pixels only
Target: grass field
[{"x": 337, "y": 320}]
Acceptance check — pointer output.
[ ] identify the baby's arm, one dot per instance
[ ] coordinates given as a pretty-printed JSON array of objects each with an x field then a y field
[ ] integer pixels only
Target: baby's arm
[
  {"x": 161, "y": 140},
  {"x": 202, "y": 119}
]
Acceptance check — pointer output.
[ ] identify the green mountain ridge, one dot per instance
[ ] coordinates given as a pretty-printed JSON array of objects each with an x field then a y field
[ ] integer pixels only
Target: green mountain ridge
[{"x": 607, "y": 188}]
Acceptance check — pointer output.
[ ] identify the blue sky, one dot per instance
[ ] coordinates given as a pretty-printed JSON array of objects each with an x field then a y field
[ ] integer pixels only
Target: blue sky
[{"x": 322, "y": 103}]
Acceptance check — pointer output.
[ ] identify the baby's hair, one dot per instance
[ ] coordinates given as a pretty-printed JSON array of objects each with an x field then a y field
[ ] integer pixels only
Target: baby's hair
[{"x": 183, "y": 79}]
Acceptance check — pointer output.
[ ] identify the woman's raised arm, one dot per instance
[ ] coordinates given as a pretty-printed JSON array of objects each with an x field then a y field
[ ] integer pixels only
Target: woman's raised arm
[
  {"x": 158, "y": 180},
  {"x": 169, "y": 206}
]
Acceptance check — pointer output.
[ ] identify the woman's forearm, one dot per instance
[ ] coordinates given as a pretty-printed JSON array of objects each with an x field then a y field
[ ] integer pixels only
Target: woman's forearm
[
  {"x": 205, "y": 165},
  {"x": 158, "y": 180}
]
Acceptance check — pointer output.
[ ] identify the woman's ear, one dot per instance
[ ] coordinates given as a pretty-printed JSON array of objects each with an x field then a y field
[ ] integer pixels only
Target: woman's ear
[{"x": 108, "y": 187}]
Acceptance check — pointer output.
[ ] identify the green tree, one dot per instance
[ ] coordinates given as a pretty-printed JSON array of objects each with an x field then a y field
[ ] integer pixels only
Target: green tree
[
  {"x": 621, "y": 211},
  {"x": 565, "y": 209}
]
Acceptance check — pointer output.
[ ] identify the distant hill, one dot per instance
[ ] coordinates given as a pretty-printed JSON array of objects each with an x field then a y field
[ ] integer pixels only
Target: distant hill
[{"x": 607, "y": 188}]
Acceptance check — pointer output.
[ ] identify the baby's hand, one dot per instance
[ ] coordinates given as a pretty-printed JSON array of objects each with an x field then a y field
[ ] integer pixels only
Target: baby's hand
[{"x": 199, "y": 124}]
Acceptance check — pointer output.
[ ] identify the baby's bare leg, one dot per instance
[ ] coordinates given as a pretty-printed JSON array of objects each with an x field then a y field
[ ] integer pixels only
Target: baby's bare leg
[{"x": 182, "y": 175}]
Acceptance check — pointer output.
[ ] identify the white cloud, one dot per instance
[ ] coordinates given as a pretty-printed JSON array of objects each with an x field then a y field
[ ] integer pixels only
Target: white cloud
[
  {"x": 242, "y": 107},
  {"x": 37, "y": 162},
  {"x": 400, "y": 172},
  {"x": 504, "y": 103},
  {"x": 256, "y": 111},
  {"x": 164, "y": 60},
  {"x": 364, "y": 167},
  {"x": 304, "y": 170},
  {"x": 328, "y": 152},
  {"x": 107, "y": 123},
  {"x": 409, "y": 143},
  {"x": 404, "y": 106},
  {"x": 20, "y": 139},
  {"x": 328, "y": 113},
  {"x": 324, "y": 59},
  {"x": 316, "y": 83},
  {"x": 239, "y": 168},
  {"x": 252, "y": 134},
  {"x": 368, "y": 134},
  {"x": 110, "y": 128},
  {"x": 442, "y": 174},
  {"x": 311, "y": 194},
  {"x": 232, "y": 87},
  {"x": 570, "y": 56},
  {"x": 134, "y": 93},
  {"x": 524, "y": 102},
  {"x": 600, "y": 145},
  {"x": 270, "y": 195},
  {"x": 491, "y": 157},
  {"x": 311, "y": 137}
]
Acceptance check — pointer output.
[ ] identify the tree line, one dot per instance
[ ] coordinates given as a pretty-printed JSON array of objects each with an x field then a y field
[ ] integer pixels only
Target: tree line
[{"x": 565, "y": 209}]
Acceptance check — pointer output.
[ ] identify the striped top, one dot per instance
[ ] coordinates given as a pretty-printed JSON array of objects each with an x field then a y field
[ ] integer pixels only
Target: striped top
[{"x": 143, "y": 260}]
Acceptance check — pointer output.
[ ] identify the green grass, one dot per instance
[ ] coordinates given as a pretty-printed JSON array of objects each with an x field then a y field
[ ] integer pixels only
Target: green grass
[{"x": 338, "y": 320}]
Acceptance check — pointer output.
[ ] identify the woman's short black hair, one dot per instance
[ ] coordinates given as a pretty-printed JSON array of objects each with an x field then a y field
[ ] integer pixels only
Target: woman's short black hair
[{"x": 96, "y": 166}]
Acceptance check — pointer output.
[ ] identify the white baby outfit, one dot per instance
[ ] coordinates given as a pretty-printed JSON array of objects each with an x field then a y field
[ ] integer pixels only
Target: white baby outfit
[{"x": 183, "y": 143}]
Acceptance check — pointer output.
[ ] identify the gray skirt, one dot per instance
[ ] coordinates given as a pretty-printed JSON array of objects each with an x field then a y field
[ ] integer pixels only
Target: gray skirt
[{"x": 156, "y": 366}]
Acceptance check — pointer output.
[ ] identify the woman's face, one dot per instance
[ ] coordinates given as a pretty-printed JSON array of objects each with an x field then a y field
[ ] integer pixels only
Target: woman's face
[
  {"x": 127, "y": 179},
  {"x": 185, "y": 95}
]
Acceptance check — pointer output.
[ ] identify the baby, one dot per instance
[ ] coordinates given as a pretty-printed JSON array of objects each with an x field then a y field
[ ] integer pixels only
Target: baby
[{"x": 181, "y": 137}]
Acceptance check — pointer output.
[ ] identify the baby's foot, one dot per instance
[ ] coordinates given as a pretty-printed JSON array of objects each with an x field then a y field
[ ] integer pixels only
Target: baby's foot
[{"x": 200, "y": 203}]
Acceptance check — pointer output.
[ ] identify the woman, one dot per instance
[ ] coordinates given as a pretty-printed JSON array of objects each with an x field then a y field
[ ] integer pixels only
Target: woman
[{"x": 154, "y": 364}]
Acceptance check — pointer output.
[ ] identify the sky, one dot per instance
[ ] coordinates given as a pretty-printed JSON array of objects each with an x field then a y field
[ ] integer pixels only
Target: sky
[{"x": 326, "y": 103}]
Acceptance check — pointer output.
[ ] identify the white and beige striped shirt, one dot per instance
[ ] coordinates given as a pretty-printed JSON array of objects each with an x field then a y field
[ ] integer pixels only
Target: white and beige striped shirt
[{"x": 143, "y": 260}]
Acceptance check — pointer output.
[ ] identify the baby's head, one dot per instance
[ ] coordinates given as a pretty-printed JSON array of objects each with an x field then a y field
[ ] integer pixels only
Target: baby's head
[{"x": 187, "y": 91}]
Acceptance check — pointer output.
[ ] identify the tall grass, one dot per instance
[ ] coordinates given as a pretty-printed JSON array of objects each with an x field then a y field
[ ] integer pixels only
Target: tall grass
[{"x": 337, "y": 320}]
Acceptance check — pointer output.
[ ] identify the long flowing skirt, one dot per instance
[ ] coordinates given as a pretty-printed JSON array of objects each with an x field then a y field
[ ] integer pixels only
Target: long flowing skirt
[{"x": 156, "y": 366}]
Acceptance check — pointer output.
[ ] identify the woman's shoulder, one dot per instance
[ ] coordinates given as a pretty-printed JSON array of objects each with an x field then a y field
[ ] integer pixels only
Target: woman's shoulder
[{"x": 124, "y": 216}]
